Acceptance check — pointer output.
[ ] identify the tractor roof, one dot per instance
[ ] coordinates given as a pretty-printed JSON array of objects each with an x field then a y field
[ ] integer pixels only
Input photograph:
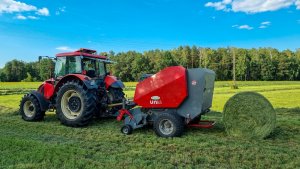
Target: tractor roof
[{"x": 82, "y": 52}]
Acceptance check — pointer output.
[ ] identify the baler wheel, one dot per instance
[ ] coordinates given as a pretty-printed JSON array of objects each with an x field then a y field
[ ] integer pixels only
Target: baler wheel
[
  {"x": 126, "y": 129},
  {"x": 30, "y": 109},
  {"x": 168, "y": 125}
]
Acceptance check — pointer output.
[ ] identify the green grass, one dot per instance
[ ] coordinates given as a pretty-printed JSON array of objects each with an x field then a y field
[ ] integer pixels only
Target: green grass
[{"x": 49, "y": 144}]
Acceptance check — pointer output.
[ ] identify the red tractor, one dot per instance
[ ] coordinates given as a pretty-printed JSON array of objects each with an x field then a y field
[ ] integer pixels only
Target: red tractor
[{"x": 81, "y": 89}]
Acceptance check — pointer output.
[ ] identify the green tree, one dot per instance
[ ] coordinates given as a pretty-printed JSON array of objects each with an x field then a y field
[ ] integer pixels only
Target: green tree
[
  {"x": 46, "y": 69},
  {"x": 194, "y": 61},
  {"x": 14, "y": 71},
  {"x": 2, "y": 76},
  {"x": 141, "y": 65},
  {"x": 28, "y": 78},
  {"x": 123, "y": 66},
  {"x": 166, "y": 60},
  {"x": 186, "y": 57}
]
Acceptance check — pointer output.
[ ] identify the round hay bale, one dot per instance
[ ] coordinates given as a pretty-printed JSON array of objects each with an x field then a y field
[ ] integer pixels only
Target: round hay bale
[{"x": 249, "y": 115}]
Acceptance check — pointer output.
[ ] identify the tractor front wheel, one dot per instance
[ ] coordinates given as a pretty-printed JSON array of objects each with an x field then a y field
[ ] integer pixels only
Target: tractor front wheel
[
  {"x": 30, "y": 109},
  {"x": 168, "y": 125},
  {"x": 75, "y": 106}
]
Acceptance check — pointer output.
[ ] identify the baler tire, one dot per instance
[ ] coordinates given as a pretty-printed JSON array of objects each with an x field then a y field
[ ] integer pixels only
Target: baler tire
[
  {"x": 30, "y": 109},
  {"x": 86, "y": 110},
  {"x": 174, "y": 119},
  {"x": 126, "y": 129}
]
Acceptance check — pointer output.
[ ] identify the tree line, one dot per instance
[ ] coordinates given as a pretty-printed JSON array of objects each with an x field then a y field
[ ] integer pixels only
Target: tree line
[
  {"x": 16, "y": 71},
  {"x": 250, "y": 64}
]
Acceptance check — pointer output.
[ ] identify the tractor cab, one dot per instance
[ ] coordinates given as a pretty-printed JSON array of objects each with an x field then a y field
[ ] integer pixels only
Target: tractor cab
[
  {"x": 86, "y": 65},
  {"x": 82, "y": 61}
]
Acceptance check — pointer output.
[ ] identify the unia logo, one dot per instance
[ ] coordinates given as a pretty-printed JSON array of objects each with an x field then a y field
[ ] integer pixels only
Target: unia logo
[{"x": 155, "y": 100}]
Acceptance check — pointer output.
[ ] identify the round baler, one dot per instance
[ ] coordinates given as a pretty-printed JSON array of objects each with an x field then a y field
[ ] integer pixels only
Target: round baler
[{"x": 170, "y": 100}]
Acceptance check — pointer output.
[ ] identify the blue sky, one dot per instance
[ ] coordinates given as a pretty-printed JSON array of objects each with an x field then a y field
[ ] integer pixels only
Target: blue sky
[{"x": 31, "y": 28}]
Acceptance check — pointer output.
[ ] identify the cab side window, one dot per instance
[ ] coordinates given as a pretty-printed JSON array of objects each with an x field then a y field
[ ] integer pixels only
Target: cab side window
[
  {"x": 101, "y": 68},
  {"x": 60, "y": 66}
]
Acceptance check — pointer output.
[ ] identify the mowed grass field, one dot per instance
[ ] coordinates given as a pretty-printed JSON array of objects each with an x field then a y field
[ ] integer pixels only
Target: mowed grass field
[{"x": 49, "y": 144}]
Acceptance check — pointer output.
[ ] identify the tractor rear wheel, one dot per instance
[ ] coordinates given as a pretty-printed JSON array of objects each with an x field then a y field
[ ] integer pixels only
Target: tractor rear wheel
[
  {"x": 115, "y": 95},
  {"x": 168, "y": 125},
  {"x": 75, "y": 105},
  {"x": 30, "y": 109}
]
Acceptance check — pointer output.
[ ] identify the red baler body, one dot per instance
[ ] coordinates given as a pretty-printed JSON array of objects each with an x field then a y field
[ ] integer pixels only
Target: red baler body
[{"x": 166, "y": 89}]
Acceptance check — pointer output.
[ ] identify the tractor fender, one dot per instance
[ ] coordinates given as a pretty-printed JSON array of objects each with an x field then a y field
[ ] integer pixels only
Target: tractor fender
[
  {"x": 44, "y": 103},
  {"x": 112, "y": 81},
  {"x": 47, "y": 88},
  {"x": 85, "y": 80}
]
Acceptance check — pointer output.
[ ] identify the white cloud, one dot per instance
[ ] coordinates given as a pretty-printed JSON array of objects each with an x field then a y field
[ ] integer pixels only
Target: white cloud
[
  {"x": 32, "y": 17},
  {"x": 12, "y": 6},
  {"x": 43, "y": 12},
  {"x": 247, "y": 27},
  {"x": 266, "y": 23},
  {"x": 222, "y": 5},
  {"x": 262, "y": 26},
  {"x": 64, "y": 48},
  {"x": 21, "y": 17},
  {"x": 252, "y": 6},
  {"x": 256, "y": 6}
]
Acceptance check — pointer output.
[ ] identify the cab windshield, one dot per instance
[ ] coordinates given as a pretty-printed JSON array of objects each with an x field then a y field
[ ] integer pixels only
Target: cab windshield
[
  {"x": 78, "y": 64},
  {"x": 68, "y": 65}
]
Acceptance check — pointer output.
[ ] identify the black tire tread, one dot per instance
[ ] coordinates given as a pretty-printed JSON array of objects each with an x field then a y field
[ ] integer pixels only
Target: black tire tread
[
  {"x": 89, "y": 101},
  {"x": 38, "y": 116}
]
